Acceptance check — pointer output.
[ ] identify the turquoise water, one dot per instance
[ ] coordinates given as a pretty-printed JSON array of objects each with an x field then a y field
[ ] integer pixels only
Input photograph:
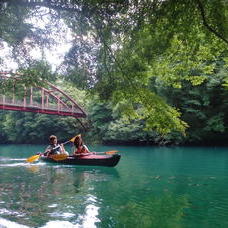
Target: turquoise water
[{"x": 150, "y": 187}]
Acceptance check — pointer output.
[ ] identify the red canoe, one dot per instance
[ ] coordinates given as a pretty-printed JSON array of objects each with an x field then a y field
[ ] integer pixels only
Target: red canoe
[{"x": 91, "y": 160}]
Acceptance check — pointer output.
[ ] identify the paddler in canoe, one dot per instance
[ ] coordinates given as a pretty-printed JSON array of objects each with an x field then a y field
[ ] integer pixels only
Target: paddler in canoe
[
  {"x": 81, "y": 155},
  {"x": 54, "y": 147},
  {"x": 80, "y": 147}
]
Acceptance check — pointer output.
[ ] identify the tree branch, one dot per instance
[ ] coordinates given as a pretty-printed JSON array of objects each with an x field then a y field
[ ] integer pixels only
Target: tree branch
[{"x": 205, "y": 23}]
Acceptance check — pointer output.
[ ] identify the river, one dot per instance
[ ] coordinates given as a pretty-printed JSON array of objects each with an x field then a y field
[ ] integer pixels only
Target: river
[{"x": 160, "y": 187}]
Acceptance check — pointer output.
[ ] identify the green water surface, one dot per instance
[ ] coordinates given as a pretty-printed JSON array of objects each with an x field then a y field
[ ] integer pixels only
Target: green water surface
[{"x": 150, "y": 187}]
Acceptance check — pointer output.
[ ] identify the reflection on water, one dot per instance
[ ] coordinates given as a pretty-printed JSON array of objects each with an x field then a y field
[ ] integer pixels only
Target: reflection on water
[
  {"x": 49, "y": 194},
  {"x": 33, "y": 168},
  {"x": 151, "y": 187}
]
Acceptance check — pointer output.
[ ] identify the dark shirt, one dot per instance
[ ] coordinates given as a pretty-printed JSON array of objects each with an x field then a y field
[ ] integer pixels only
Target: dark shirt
[{"x": 55, "y": 151}]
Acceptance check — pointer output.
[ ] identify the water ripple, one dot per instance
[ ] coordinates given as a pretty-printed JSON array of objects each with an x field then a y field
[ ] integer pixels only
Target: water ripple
[
  {"x": 4, "y": 211},
  {"x": 12, "y": 159}
]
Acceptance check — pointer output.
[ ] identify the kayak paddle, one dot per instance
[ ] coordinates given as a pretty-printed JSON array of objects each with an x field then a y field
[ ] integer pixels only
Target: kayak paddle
[
  {"x": 107, "y": 152},
  {"x": 111, "y": 152},
  {"x": 90, "y": 153},
  {"x": 33, "y": 158},
  {"x": 59, "y": 157}
]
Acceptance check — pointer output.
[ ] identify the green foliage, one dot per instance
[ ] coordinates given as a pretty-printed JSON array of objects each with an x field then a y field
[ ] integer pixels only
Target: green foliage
[
  {"x": 35, "y": 75},
  {"x": 184, "y": 58},
  {"x": 204, "y": 108},
  {"x": 123, "y": 50},
  {"x": 108, "y": 125},
  {"x": 19, "y": 127},
  {"x": 173, "y": 51},
  {"x": 13, "y": 28},
  {"x": 100, "y": 116},
  {"x": 216, "y": 123},
  {"x": 3, "y": 135}
]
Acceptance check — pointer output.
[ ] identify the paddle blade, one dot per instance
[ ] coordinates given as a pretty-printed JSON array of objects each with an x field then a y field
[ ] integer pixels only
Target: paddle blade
[
  {"x": 59, "y": 157},
  {"x": 111, "y": 152},
  {"x": 72, "y": 140},
  {"x": 33, "y": 158}
]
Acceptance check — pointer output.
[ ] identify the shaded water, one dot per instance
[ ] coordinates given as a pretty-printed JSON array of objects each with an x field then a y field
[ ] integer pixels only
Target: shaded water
[{"x": 150, "y": 187}]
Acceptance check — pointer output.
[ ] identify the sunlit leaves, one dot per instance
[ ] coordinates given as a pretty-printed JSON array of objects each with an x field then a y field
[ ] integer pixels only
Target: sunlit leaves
[
  {"x": 146, "y": 105},
  {"x": 181, "y": 62},
  {"x": 120, "y": 47}
]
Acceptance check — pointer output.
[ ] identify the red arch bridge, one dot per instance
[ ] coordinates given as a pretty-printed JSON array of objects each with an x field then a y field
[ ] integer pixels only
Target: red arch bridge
[{"x": 48, "y": 100}]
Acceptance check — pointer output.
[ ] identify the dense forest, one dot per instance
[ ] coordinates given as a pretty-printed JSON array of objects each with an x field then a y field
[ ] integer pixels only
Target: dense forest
[{"x": 146, "y": 72}]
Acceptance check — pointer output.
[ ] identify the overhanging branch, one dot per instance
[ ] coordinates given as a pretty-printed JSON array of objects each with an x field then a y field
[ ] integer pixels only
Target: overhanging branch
[{"x": 205, "y": 23}]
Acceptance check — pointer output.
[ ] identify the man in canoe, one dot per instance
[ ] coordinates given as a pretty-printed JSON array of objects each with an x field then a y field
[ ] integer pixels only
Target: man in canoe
[
  {"x": 54, "y": 147},
  {"x": 80, "y": 147}
]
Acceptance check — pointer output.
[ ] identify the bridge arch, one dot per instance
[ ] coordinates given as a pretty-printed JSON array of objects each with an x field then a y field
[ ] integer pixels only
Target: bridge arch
[{"x": 49, "y": 100}]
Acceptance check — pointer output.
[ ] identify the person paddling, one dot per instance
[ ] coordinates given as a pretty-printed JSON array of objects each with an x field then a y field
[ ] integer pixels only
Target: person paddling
[
  {"x": 54, "y": 147},
  {"x": 80, "y": 147}
]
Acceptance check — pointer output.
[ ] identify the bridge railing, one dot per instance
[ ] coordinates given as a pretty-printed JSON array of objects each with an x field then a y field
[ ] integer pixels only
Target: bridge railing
[{"x": 42, "y": 100}]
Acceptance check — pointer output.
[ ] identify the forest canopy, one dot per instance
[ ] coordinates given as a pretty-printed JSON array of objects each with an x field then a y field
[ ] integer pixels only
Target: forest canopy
[{"x": 136, "y": 55}]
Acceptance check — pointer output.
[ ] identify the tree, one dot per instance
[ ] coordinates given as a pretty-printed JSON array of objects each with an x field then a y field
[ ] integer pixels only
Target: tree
[{"x": 120, "y": 46}]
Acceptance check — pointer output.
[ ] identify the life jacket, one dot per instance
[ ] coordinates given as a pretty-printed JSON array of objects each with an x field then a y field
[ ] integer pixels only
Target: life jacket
[{"x": 82, "y": 150}]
